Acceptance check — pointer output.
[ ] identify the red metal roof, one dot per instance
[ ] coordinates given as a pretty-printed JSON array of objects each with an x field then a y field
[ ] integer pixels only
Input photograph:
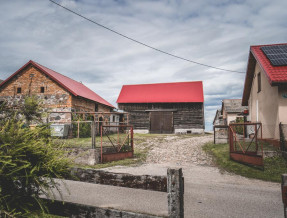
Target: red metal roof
[
  {"x": 178, "y": 92},
  {"x": 275, "y": 74},
  {"x": 74, "y": 87}
]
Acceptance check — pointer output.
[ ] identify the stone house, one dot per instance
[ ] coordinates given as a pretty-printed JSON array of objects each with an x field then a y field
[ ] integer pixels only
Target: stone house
[
  {"x": 57, "y": 92},
  {"x": 265, "y": 88},
  {"x": 231, "y": 110},
  {"x": 164, "y": 107}
]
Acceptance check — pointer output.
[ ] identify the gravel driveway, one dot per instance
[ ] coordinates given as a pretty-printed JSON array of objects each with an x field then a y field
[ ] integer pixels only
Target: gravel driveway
[{"x": 179, "y": 150}]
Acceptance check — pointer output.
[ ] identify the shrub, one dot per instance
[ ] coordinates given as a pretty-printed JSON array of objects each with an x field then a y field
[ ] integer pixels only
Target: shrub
[{"x": 29, "y": 162}]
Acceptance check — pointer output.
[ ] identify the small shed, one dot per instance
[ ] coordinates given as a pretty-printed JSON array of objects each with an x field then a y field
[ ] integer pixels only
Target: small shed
[
  {"x": 164, "y": 107},
  {"x": 231, "y": 110}
]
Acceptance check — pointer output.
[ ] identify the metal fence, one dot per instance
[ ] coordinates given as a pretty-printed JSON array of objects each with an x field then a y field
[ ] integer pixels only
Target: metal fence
[
  {"x": 245, "y": 143},
  {"x": 83, "y": 130},
  {"x": 116, "y": 142}
]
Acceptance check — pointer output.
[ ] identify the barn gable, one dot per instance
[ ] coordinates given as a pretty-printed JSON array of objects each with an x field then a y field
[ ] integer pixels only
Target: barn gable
[{"x": 164, "y": 107}]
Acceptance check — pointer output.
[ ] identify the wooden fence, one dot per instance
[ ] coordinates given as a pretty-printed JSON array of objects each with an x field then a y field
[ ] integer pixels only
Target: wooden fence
[{"x": 173, "y": 184}]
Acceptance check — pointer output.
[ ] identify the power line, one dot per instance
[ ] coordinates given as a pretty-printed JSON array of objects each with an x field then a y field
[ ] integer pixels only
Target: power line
[{"x": 141, "y": 43}]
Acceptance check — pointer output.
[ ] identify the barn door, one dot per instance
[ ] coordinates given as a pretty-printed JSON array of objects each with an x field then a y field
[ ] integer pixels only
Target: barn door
[{"x": 161, "y": 122}]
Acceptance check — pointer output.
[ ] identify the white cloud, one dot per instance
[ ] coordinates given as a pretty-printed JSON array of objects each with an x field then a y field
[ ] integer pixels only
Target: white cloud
[{"x": 216, "y": 33}]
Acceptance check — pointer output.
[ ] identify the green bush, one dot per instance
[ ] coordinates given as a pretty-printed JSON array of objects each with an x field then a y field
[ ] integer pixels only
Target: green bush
[
  {"x": 84, "y": 127},
  {"x": 85, "y": 130},
  {"x": 29, "y": 162}
]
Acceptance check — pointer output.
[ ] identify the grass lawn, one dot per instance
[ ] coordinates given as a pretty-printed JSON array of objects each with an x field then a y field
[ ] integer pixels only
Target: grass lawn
[
  {"x": 86, "y": 142},
  {"x": 273, "y": 167}
]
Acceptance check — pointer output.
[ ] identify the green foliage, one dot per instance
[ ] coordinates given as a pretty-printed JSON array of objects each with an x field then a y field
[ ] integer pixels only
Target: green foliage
[
  {"x": 239, "y": 129},
  {"x": 29, "y": 162},
  {"x": 274, "y": 167},
  {"x": 31, "y": 109},
  {"x": 84, "y": 128}
]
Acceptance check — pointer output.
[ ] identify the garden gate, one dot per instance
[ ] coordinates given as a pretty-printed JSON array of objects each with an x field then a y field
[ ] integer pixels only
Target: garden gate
[{"x": 245, "y": 146}]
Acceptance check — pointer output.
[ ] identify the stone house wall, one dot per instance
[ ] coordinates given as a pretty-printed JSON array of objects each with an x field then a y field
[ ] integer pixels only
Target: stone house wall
[
  {"x": 54, "y": 98},
  {"x": 30, "y": 81}
]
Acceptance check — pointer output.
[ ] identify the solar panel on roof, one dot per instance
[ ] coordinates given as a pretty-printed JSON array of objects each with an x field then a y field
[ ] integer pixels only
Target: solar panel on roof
[{"x": 277, "y": 54}]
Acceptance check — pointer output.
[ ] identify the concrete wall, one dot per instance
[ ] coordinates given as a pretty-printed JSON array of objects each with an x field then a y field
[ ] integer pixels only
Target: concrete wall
[
  {"x": 282, "y": 111},
  {"x": 187, "y": 131},
  {"x": 264, "y": 105}
]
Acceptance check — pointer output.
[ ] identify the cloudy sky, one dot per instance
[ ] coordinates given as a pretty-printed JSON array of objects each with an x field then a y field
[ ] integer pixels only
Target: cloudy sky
[{"x": 212, "y": 32}]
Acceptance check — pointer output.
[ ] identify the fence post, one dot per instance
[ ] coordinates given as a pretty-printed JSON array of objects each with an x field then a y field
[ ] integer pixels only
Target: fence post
[
  {"x": 284, "y": 193},
  {"x": 93, "y": 134},
  {"x": 214, "y": 135},
  {"x": 132, "y": 139},
  {"x": 101, "y": 144},
  {"x": 175, "y": 191},
  {"x": 78, "y": 135},
  {"x": 282, "y": 138}
]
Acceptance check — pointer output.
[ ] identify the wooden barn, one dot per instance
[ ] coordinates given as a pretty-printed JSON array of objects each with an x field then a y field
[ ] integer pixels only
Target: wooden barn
[{"x": 164, "y": 107}]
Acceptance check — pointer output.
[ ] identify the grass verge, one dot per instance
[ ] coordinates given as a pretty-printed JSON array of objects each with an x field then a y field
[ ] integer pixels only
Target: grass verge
[{"x": 273, "y": 167}]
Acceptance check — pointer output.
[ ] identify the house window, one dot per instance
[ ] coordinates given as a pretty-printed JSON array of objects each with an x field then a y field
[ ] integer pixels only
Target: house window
[
  {"x": 259, "y": 81},
  {"x": 19, "y": 90},
  {"x": 42, "y": 89},
  {"x": 96, "y": 107},
  {"x": 114, "y": 118}
]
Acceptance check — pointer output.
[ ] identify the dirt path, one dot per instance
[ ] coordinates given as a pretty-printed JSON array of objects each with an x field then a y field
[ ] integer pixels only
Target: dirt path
[{"x": 178, "y": 149}]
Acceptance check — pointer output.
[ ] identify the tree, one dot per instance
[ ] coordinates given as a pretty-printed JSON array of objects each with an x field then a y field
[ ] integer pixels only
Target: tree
[{"x": 29, "y": 162}]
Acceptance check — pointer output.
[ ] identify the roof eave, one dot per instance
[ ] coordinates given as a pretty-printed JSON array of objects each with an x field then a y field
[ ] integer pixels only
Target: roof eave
[
  {"x": 248, "y": 78},
  {"x": 14, "y": 74},
  {"x": 158, "y": 102}
]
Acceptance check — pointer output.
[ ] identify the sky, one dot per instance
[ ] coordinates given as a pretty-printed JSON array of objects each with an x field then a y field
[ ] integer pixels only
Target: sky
[{"x": 213, "y": 32}]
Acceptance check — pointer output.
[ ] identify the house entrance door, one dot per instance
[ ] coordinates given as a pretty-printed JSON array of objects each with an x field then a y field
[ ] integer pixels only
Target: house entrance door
[{"x": 161, "y": 122}]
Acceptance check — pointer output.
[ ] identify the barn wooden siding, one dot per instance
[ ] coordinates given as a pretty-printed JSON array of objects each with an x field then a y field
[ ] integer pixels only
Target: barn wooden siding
[{"x": 185, "y": 115}]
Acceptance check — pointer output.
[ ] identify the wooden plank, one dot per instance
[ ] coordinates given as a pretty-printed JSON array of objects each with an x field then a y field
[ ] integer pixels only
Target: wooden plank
[{"x": 161, "y": 122}]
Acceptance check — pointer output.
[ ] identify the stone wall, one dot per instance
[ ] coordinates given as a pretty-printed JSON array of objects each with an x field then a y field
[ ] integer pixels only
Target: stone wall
[
  {"x": 31, "y": 80},
  {"x": 147, "y": 182}
]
